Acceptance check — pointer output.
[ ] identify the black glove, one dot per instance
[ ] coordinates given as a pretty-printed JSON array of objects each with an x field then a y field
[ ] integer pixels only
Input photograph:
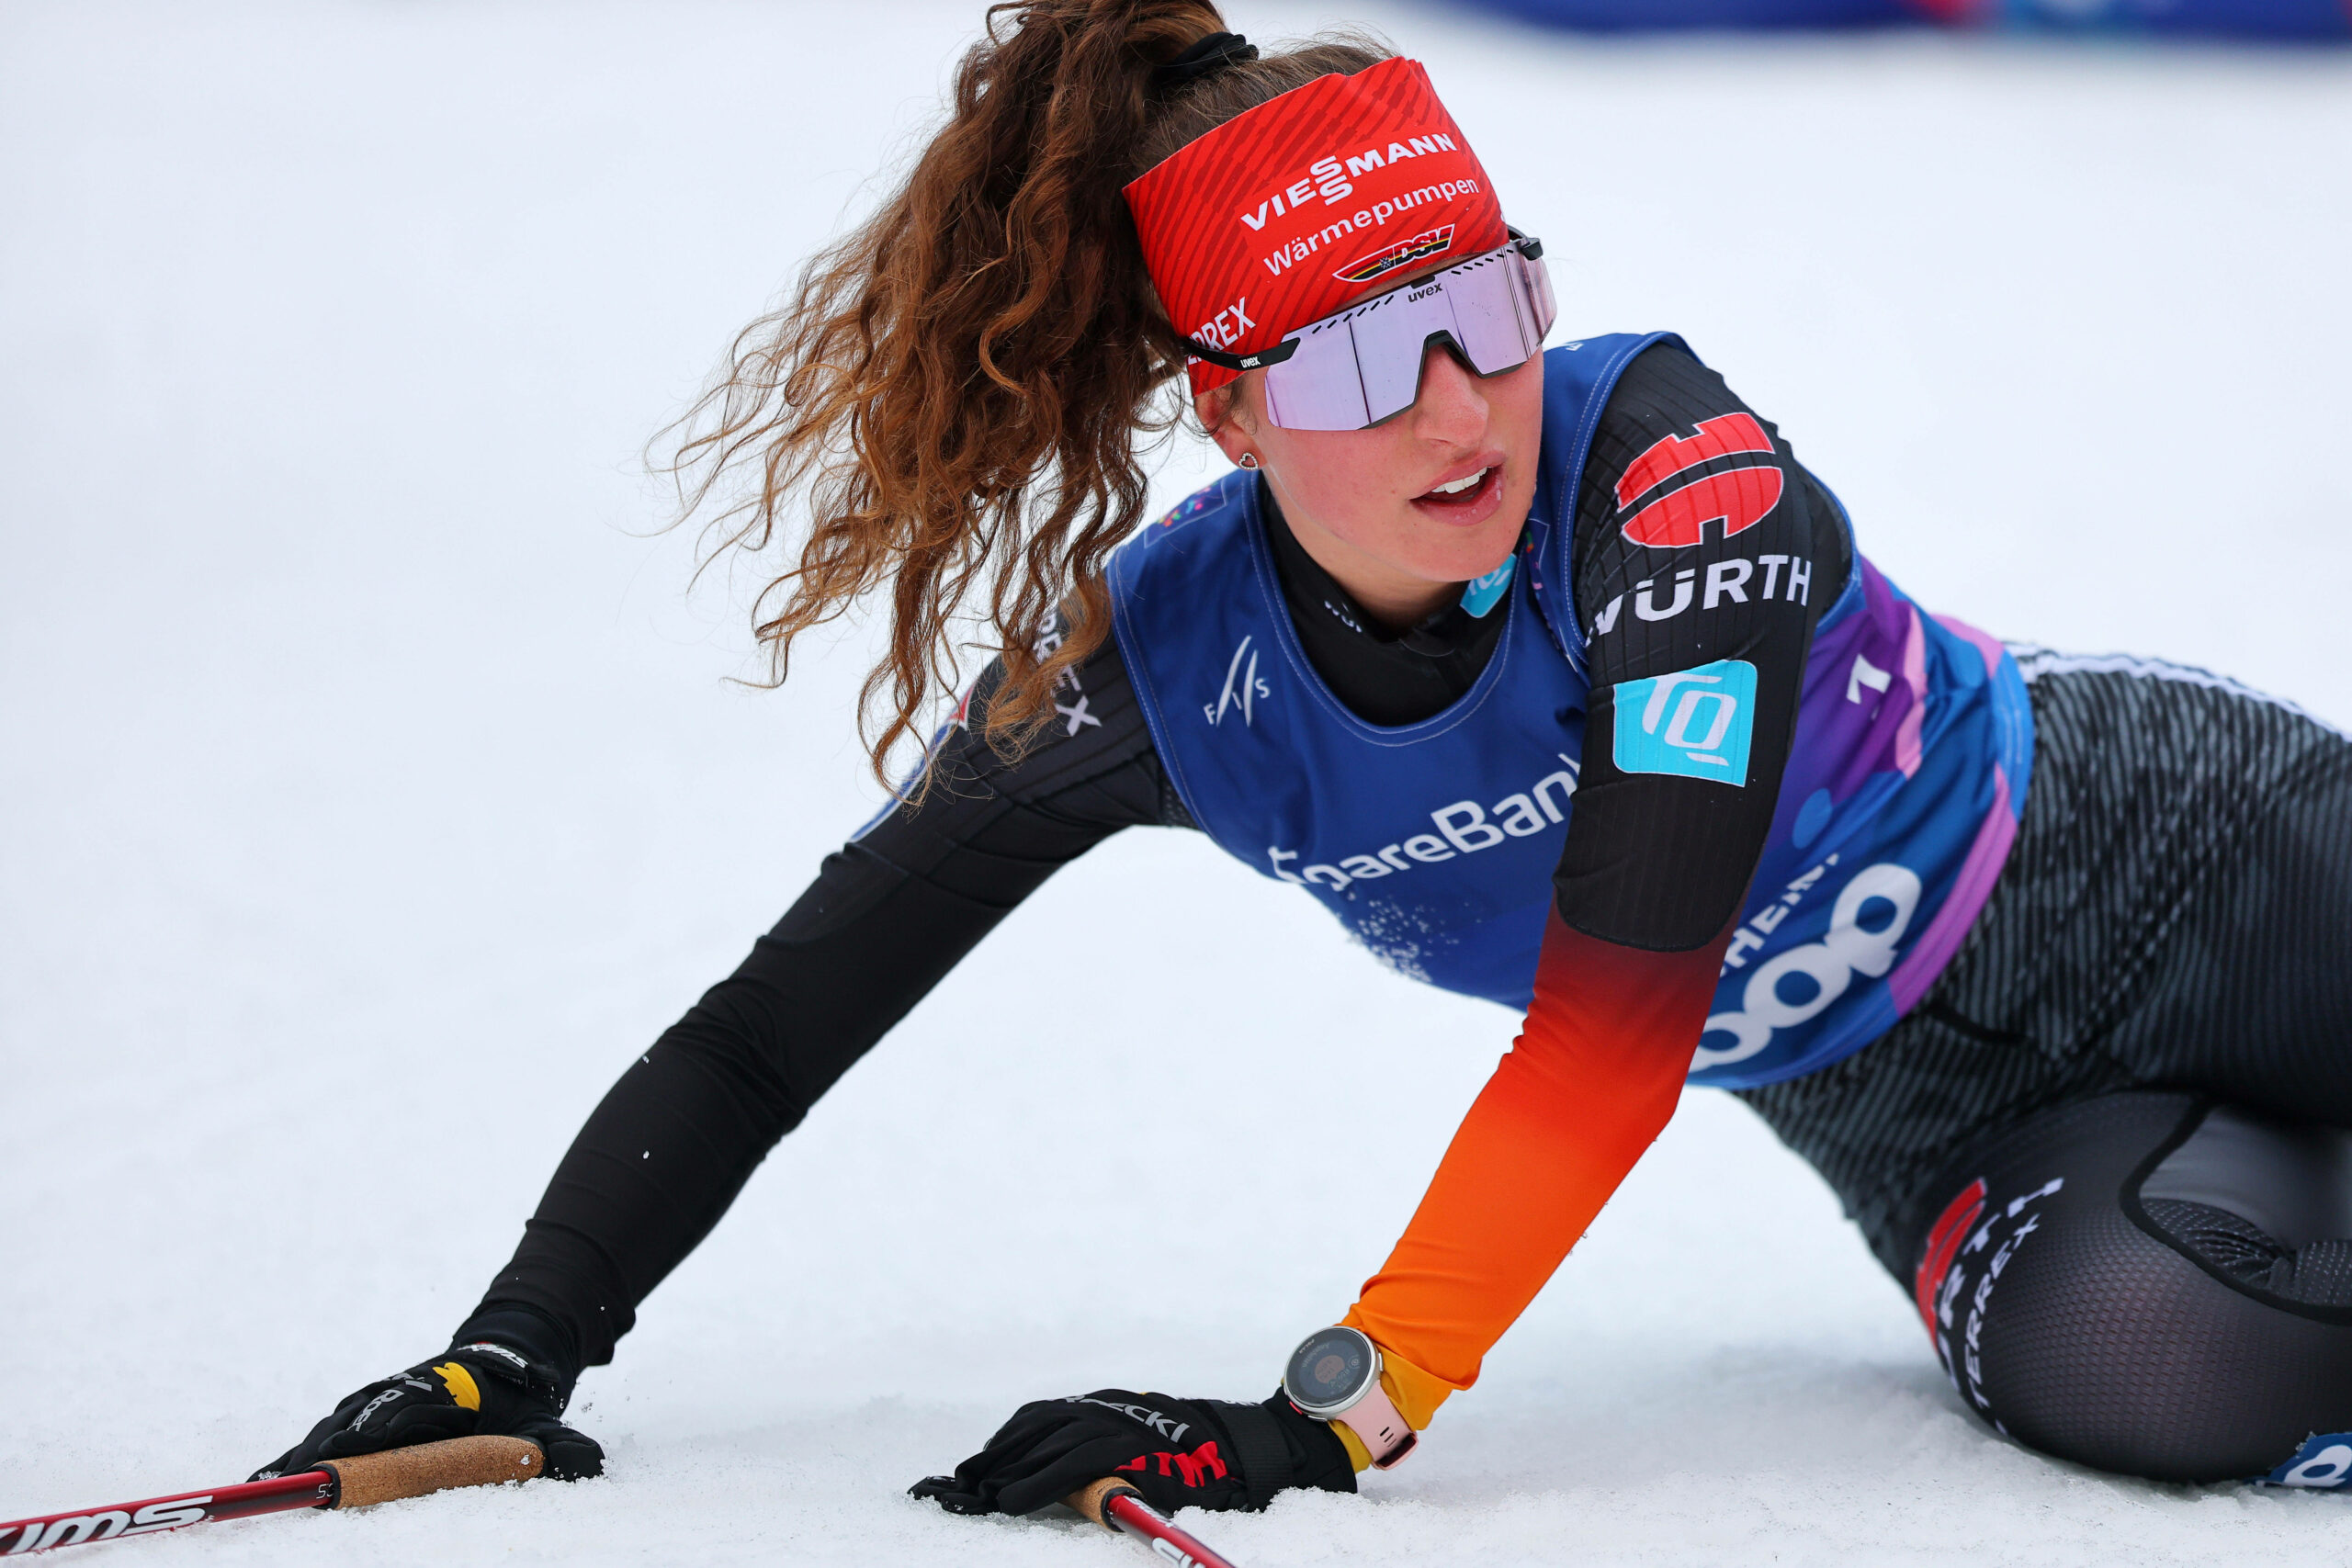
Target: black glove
[
  {"x": 476, "y": 1388},
  {"x": 1180, "y": 1453}
]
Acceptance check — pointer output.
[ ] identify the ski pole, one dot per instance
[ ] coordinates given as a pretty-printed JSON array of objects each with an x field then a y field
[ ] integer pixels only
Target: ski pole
[
  {"x": 336, "y": 1484},
  {"x": 1119, "y": 1508}
]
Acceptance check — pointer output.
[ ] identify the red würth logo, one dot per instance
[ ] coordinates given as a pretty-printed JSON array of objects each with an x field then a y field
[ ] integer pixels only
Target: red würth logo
[{"x": 1738, "y": 498}]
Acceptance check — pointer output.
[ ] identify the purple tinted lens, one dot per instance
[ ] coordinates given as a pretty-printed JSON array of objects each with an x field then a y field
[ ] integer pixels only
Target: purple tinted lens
[
  {"x": 1492, "y": 319},
  {"x": 1391, "y": 337},
  {"x": 1539, "y": 291},
  {"x": 1365, "y": 364},
  {"x": 1317, "y": 387}
]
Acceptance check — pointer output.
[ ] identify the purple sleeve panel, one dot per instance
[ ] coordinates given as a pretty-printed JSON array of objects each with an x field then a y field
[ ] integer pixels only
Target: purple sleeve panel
[
  {"x": 1986, "y": 855},
  {"x": 1900, "y": 799}
]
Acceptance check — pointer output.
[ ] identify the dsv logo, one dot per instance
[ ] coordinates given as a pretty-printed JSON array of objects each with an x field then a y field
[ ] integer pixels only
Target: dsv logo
[{"x": 1887, "y": 893}]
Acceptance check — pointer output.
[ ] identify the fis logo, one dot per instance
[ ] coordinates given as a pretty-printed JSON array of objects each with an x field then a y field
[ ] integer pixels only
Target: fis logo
[
  {"x": 1405, "y": 253},
  {"x": 1696, "y": 722},
  {"x": 1738, "y": 498},
  {"x": 1242, "y": 689}
]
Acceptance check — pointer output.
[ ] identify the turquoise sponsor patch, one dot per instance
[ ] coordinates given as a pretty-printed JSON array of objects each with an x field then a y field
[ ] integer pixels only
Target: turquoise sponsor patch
[
  {"x": 1483, "y": 593},
  {"x": 1693, "y": 722}
]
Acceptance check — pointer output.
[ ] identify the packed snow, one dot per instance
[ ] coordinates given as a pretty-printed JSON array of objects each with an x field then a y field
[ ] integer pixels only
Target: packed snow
[{"x": 373, "y": 782}]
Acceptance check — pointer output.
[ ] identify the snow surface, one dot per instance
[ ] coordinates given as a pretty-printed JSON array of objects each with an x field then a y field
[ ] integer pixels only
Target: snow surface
[{"x": 372, "y": 786}]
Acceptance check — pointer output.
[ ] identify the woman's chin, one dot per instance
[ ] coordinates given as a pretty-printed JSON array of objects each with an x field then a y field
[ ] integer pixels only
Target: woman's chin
[
  {"x": 1458, "y": 566},
  {"x": 1456, "y": 552}
]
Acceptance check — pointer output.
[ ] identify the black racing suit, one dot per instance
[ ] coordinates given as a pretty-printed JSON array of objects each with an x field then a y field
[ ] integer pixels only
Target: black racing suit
[{"x": 665, "y": 1153}]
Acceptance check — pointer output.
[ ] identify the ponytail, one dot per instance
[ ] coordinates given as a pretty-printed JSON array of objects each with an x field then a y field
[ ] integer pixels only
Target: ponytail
[{"x": 957, "y": 386}]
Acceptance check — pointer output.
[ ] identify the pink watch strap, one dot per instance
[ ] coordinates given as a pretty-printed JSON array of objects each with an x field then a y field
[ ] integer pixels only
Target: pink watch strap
[{"x": 1386, "y": 1435}]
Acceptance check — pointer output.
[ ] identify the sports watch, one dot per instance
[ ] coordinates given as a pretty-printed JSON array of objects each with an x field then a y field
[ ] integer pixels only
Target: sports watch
[{"x": 1334, "y": 1375}]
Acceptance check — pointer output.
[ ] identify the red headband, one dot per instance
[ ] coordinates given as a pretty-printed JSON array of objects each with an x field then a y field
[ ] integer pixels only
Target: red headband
[{"x": 1287, "y": 212}]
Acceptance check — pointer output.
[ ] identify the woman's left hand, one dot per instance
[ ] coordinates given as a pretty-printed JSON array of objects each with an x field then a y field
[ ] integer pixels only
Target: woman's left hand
[{"x": 1180, "y": 1453}]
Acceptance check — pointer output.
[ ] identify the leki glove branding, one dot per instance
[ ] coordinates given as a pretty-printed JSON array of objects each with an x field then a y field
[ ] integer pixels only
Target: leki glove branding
[{"x": 1285, "y": 213}]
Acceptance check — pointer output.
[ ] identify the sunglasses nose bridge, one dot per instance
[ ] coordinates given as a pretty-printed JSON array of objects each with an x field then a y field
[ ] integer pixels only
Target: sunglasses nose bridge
[
  {"x": 1449, "y": 340},
  {"x": 1450, "y": 343}
]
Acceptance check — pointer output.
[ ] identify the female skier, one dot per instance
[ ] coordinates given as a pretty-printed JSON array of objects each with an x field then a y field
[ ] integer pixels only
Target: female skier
[{"x": 1560, "y": 682}]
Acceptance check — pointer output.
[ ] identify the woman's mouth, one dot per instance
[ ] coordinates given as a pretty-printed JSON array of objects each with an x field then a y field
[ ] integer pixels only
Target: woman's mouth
[{"x": 1465, "y": 498}]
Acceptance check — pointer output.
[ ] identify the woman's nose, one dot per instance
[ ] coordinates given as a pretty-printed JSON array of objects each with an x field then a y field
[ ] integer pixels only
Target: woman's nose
[{"x": 1450, "y": 406}]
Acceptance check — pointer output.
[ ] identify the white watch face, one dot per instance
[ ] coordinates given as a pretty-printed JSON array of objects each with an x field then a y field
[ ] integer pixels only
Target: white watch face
[{"x": 1331, "y": 1370}]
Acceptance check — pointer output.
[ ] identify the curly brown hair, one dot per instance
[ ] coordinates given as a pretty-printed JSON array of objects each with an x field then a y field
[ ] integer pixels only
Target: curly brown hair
[{"x": 957, "y": 388}]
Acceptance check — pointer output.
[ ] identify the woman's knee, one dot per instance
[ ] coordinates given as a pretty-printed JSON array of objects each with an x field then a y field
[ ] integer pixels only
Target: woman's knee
[{"x": 2139, "y": 1338}]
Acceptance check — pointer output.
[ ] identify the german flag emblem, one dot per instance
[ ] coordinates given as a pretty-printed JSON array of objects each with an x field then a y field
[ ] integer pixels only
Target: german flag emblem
[{"x": 1405, "y": 253}]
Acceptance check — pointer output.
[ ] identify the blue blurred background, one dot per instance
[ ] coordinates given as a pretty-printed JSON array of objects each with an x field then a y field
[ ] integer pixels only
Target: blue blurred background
[{"x": 2277, "y": 22}]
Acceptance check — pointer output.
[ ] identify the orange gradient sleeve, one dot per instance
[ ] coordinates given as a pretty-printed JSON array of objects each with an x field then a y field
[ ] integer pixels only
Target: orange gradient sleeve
[{"x": 1591, "y": 1081}]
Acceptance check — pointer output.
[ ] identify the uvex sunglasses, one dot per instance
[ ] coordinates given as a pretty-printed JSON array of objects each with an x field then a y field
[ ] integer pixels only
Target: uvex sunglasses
[{"x": 1363, "y": 364}]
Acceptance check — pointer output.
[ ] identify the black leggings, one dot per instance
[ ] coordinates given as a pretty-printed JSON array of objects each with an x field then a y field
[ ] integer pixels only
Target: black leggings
[
  {"x": 2106, "y": 1153},
  {"x": 2147, "y": 1284}
]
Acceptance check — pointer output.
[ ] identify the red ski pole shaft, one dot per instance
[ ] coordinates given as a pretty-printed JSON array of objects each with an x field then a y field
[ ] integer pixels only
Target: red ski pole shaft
[
  {"x": 1117, "y": 1506},
  {"x": 338, "y": 1483},
  {"x": 315, "y": 1489}
]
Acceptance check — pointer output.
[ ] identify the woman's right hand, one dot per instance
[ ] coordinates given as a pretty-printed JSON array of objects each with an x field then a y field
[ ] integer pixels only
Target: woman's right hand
[{"x": 475, "y": 1389}]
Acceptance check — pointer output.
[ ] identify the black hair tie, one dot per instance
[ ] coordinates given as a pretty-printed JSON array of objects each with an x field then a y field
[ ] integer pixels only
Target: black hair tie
[{"x": 1206, "y": 58}]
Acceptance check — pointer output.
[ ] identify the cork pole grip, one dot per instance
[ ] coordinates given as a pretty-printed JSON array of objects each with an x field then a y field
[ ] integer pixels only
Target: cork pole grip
[
  {"x": 1089, "y": 1499},
  {"x": 432, "y": 1467}
]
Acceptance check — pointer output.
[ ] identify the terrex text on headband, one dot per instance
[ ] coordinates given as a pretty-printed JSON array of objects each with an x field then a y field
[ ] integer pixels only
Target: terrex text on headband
[{"x": 1360, "y": 366}]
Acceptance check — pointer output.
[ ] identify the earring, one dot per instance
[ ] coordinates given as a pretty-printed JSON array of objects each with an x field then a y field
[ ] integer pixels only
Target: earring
[{"x": 1249, "y": 459}]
